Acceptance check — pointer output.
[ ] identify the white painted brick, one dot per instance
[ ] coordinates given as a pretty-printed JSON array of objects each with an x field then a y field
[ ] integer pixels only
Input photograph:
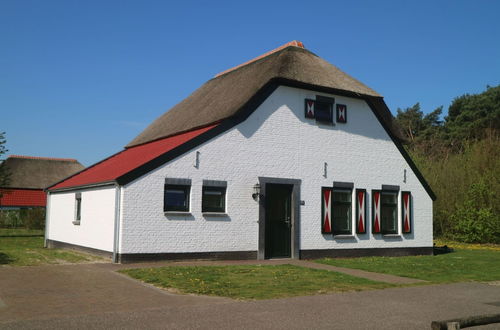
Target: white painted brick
[{"x": 275, "y": 141}]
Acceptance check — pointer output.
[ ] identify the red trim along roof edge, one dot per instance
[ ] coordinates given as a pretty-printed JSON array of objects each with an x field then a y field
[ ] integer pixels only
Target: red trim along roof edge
[{"x": 127, "y": 160}]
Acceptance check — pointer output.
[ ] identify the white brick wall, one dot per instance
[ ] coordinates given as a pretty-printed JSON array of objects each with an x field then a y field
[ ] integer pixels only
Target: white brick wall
[
  {"x": 97, "y": 218},
  {"x": 275, "y": 141}
]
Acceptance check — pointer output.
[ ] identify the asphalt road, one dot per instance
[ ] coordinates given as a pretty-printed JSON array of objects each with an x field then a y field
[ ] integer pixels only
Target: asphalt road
[{"x": 94, "y": 296}]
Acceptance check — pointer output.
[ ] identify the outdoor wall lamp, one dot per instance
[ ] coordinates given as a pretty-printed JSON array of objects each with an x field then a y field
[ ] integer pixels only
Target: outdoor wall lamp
[{"x": 256, "y": 192}]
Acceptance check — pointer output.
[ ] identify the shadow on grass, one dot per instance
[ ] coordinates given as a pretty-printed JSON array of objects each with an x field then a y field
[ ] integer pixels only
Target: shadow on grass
[
  {"x": 442, "y": 249},
  {"x": 5, "y": 259}
]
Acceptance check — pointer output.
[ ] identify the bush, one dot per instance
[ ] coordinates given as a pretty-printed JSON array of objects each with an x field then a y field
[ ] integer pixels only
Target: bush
[
  {"x": 33, "y": 218},
  {"x": 475, "y": 221},
  {"x": 467, "y": 185}
]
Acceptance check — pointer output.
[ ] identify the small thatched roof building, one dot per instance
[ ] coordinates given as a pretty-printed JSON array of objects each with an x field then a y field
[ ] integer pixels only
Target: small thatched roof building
[{"x": 30, "y": 175}]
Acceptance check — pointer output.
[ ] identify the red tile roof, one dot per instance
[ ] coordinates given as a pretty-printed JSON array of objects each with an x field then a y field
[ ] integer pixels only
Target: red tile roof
[
  {"x": 127, "y": 160},
  {"x": 23, "y": 197}
]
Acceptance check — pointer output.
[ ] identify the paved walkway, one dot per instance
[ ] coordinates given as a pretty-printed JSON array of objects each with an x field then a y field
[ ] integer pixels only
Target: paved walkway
[
  {"x": 360, "y": 273},
  {"x": 95, "y": 296}
]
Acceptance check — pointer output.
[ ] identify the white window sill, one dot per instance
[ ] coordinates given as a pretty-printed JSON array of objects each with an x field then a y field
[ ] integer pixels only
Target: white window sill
[
  {"x": 76, "y": 222},
  {"x": 214, "y": 214},
  {"x": 391, "y": 235},
  {"x": 343, "y": 236},
  {"x": 177, "y": 213}
]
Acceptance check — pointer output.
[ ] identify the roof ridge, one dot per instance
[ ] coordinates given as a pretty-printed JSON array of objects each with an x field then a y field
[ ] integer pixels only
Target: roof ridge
[
  {"x": 293, "y": 43},
  {"x": 43, "y": 158}
]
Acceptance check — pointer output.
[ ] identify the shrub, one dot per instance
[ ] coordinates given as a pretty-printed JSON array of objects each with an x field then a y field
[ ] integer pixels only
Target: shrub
[
  {"x": 475, "y": 221},
  {"x": 33, "y": 218},
  {"x": 467, "y": 185}
]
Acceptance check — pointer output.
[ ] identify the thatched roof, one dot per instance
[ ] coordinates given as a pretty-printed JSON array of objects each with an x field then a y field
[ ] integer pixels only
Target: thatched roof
[
  {"x": 39, "y": 172},
  {"x": 224, "y": 95}
]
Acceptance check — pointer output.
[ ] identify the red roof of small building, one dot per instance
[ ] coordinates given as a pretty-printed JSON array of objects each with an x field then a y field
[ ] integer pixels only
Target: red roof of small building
[
  {"x": 22, "y": 197},
  {"x": 127, "y": 160}
]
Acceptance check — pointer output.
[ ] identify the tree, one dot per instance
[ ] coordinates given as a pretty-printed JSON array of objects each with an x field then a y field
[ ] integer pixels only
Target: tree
[
  {"x": 471, "y": 116},
  {"x": 4, "y": 173},
  {"x": 410, "y": 120},
  {"x": 419, "y": 128}
]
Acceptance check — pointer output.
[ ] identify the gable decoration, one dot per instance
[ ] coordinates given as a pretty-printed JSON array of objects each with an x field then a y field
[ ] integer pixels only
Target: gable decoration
[
  {"x": 341, "y": 113},
  {"x": 309, "y": 109}
]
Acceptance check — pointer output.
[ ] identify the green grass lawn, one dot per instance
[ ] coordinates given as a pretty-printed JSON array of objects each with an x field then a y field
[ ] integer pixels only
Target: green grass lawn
[
  {"x": 18, "y": 247},
  {"x": 251, "y": 281},
  {"x": 20, "y": 232},
  {"x": 459, "y": 266}
]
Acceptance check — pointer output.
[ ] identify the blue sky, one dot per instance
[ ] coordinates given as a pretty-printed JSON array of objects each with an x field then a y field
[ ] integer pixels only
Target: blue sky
[{"x": 80, "y": 79}]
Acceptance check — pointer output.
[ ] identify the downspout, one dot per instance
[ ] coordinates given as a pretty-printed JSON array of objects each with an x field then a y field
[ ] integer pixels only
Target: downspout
[
  {"x": 116, "y": 240},
  {"x": 47, "y": 213}
]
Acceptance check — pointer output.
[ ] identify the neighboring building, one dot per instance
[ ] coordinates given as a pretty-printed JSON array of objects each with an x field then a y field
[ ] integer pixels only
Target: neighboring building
[
  {"x": 29, "y": 176},
  {"x": 283, "y": 156}
]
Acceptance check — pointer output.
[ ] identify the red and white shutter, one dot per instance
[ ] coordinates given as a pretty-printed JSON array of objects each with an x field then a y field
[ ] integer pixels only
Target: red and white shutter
[
  {"x": 341, "y": 113},
  {"x": 326, "y": 210},
  {"x": 406, "y": 211},
  {"x": 360, "y": 211},
  {"x": 309, "y": 110},
  {"x": 376, "y": 211}
]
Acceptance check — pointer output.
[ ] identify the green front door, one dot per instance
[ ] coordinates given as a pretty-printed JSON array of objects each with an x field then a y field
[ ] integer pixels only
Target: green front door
[{"x": 278, "y": 220}]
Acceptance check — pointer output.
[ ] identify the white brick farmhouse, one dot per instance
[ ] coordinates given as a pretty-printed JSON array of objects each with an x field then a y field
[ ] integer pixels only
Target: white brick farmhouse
[{"x": 284, "y": 156}]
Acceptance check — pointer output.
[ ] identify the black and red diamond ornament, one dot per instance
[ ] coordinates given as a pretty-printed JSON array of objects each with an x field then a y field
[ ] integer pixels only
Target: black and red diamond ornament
[{"x": 341, "y": 113}]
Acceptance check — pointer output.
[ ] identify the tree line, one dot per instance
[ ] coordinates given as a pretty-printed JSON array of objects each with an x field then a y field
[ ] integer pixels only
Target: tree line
[{"x": 459, "y": 155}]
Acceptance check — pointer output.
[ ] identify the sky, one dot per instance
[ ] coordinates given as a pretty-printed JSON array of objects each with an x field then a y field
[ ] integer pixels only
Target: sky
[{"x": 81, "y": 79}]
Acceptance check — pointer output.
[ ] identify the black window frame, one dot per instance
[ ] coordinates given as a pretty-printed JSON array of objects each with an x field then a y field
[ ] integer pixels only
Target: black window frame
[
  {"x": 394, "y": 206},
  {"x": 187, "y": 195},
  {"x": 209, "y": 209},
  {"x": 334, "y": 204},
  {"x": 324, "y": 115}
]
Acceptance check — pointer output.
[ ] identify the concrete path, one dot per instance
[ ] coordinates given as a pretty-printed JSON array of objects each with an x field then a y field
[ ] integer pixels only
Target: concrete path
[
  {"x": 71, "y": 290},
  {"x": 359, "y": 273},
  {"x": 94, "y": 296}
]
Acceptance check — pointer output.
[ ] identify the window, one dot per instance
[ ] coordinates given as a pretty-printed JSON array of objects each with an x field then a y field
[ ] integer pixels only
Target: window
[
  {"x": 323, "y": 109},
  {"x": 389, "y": 212},
  {"x": 341, "y": 211},
  {"x": 214, "y": 196},
  {"x": 78, "y": 208},
  {"x": 176, "y": 196}
]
